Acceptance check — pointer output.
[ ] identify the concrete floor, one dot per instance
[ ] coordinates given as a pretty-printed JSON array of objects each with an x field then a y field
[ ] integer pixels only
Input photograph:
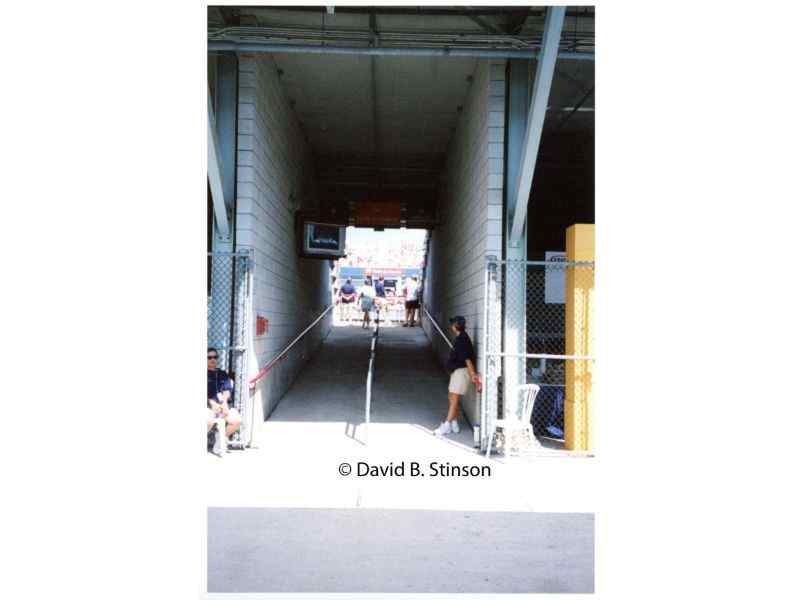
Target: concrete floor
[
  {"x": 409, "y": 387},
  {"x": 360, "y": 551},
  {"x": 420, "y": 522}
]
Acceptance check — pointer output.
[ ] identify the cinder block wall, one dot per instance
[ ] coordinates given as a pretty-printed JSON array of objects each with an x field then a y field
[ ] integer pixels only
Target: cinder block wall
[
  {"x": 274, "y": 176},
  {"x": 470, "y": 205}
]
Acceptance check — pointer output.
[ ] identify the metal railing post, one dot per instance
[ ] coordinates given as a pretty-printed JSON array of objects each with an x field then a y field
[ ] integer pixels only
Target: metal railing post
[
  {"x": 485, "y": 347},
  {"x": 368, "y": 406},
  {"x": 370, "y": 369}
]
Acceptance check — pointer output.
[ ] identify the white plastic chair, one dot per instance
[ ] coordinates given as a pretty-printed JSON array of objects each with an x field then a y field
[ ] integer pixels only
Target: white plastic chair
[{"x": 517, "y": 427}]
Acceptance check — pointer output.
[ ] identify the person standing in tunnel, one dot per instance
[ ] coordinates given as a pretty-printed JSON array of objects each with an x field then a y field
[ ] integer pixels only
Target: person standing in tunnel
[
  {"x": 366, "y": 295},
  {"x": 412, "y": 301},
  {"x": 461, "y": 366},
  {"x": 347, "y": 296},
  {"x": 380, "y": 293}
]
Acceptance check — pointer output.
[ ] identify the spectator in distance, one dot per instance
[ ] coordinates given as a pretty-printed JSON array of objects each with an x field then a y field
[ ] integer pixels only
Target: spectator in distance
[
  {"x": 380, "y": 294},
  {"x": 347, "y": 296},
  {"x": 461, "y": 366},
  {"x": 412, "y": 301},
  {"x": 220, "y": 395},
  {"x": 367, "y": 295}
]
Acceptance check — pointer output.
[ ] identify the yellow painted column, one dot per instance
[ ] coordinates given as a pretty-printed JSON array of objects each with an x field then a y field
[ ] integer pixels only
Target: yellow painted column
[{"x": 579, "y": 338}]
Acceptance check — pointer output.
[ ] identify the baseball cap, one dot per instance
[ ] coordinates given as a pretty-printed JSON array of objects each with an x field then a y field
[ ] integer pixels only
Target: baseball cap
[{"x": 458, "y": 320}]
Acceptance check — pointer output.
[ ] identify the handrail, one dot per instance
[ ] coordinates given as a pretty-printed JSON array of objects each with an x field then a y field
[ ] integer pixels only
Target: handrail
[
  {"x": 283, "y": 352},
  {"x": 439, "y": 329},
  {"x": 370, "y": 371}
]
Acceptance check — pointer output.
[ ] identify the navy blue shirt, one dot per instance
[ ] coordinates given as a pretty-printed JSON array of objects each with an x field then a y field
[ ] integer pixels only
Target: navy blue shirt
[
  {"x": 462, "y": 350},
  {"x": 348, "y": 288},
  {"x": 218, "y": 381},
  {"x": 379, "y": 290}
]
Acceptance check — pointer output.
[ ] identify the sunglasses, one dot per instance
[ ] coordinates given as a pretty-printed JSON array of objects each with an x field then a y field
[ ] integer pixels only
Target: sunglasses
[{"x": 214, "y": 357}]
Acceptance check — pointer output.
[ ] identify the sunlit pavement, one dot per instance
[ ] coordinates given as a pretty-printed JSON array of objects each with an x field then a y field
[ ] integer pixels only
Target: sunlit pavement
[
  {"x": 319, "y": 426},
  {"x": 413, "y": 551}
]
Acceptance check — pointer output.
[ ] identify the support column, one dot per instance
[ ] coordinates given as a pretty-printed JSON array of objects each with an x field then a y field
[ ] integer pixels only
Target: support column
[
  {"x": 226, "y": 99},
  {"x": 545, "y": 66},
  {"x": 227, "y": 111},
  {"x": 518, "y": 192},
  {"x": 514, "y": 277},
  {"x": 579, "y": 338}
]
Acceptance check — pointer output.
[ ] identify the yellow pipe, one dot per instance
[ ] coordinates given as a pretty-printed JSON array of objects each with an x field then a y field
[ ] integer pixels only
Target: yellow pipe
[{"x": 579, "y": 338}]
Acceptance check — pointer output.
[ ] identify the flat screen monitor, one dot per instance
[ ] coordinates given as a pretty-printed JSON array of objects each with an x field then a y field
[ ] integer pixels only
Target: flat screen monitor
[{"x": 326, "y": 241}]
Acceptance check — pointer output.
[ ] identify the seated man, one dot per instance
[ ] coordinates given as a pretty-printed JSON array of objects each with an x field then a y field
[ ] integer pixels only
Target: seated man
[{"x": 220, "y": 390}]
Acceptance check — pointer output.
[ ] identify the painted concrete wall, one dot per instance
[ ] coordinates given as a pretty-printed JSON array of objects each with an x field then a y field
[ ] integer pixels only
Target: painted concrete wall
[
  {"x": 274, "y": 177},
  {"x": 471, "y": 202}
]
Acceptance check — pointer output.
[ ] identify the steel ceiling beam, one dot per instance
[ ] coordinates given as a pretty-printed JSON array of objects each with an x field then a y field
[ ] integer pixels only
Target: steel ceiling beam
[
  {"x": 554, "y": 23},
  {"x": 273, "y": 48},
  {"x": 427, "y": 11}
]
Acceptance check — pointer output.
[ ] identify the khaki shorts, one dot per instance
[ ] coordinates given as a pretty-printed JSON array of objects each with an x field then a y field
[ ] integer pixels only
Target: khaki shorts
[{"x": 459, "y": 382}]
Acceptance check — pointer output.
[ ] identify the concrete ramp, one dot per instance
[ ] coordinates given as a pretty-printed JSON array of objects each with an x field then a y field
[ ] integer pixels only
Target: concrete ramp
[{"x": 409, "y": 388}]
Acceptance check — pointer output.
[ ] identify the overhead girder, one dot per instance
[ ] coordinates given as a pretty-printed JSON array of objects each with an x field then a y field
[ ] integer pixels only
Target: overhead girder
[{"x": 545, "y": 68}]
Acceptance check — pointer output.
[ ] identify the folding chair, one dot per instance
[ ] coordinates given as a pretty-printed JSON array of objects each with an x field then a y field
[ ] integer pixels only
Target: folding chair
[{"x": 517, "y": 428}]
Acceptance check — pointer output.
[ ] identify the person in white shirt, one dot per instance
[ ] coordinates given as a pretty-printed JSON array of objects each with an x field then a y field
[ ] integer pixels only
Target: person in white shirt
[
  {"x": 366, "y": 294},
  {"x": 412, "y": 301}
]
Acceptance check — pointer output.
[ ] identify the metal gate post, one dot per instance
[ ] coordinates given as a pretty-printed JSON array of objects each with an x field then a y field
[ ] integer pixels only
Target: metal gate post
[
  {"x": 493, "y": 325},
  {"x": 516, "y": 250},
  {"x": 484, "y": 349},
  {"x": 222, "y": 271},
  {"x": 514, "y": 332},
  {"x": 242, "y": 342}
]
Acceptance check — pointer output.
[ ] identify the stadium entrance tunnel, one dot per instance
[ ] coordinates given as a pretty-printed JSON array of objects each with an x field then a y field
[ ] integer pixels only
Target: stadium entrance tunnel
[{"x": 392, "y": 140}]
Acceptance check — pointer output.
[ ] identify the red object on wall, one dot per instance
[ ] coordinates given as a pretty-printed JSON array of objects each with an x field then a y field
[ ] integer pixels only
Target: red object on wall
[{"x": 262, "y": 325}]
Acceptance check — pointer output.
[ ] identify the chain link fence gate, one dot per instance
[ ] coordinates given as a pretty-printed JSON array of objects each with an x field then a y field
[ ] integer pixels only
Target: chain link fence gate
[
  {"x": 542, "y": 333},
  {"x": 229, "y": 310}
]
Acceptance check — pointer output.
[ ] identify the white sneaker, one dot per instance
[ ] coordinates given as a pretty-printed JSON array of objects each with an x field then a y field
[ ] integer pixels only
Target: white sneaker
[
  {"x": 454, "y": 426},
  {"x": 443, "y": 429}
]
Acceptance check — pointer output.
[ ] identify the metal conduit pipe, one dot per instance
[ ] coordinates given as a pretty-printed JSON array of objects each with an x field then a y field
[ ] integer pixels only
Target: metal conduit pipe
[
  {"x": 307, "y": 35},
  {"x": 385, "y": 51}
]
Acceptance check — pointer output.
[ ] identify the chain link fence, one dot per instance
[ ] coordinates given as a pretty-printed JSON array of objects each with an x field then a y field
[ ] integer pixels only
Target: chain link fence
[
  {"x": 540, "y": 329},
  {"x": 229, "y": 310}
]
